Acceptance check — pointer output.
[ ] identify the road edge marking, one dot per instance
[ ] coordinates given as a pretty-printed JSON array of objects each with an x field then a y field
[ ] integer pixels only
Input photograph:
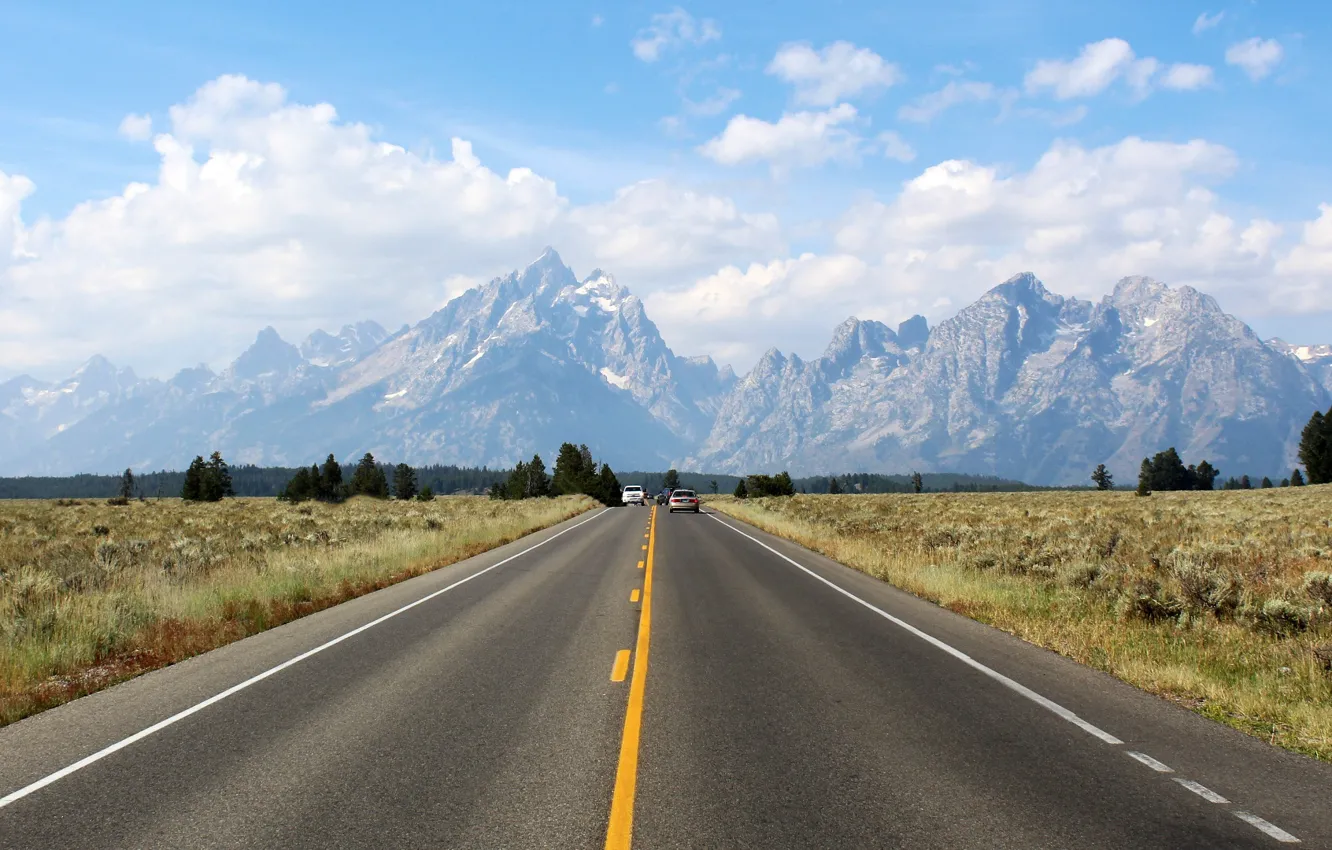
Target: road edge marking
[
  {"x": 620, "y": 828},
  {"x": 15, "y": 796},
  {"x": 1044, "y": 702},
  {"x": 1264, "y": 826}
]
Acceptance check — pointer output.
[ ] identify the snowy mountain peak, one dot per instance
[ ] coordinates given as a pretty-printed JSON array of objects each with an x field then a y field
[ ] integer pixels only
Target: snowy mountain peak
[
  {"x": 352, "y": 343},
  {"x": 913, "y": 332},
  {"x": 1022, "y": 289},
  {"x": 269, "y": 354},
  {"x": 1137, "y": 290}
]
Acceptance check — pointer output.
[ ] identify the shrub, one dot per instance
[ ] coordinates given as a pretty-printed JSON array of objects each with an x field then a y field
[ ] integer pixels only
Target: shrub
[
  {"x": 1282, "y": 618},
  {"x": 1318, "y": 586}
]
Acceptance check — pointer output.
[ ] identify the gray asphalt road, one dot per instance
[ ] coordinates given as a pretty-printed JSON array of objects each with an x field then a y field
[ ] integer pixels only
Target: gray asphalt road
[{"x": 780, "y": 709}]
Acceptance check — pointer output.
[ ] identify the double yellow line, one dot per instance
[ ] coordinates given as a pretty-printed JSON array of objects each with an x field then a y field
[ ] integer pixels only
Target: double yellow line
[{"x": 621, "y": 828}]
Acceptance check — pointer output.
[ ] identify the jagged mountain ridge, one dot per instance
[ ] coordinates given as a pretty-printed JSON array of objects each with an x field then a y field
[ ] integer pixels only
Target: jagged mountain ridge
[{"x": 1023, "y": 383}]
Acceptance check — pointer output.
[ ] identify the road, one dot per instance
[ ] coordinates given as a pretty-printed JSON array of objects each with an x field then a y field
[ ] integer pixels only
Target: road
[{"x": 686, "y": 681}]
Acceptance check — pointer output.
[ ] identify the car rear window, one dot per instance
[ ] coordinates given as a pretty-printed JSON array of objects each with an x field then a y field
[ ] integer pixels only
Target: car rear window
[
  {"x": 686, "y": 493},
  {"x": 634, "y": 488}
]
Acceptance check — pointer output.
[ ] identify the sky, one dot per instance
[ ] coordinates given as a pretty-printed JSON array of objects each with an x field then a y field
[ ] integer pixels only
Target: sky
[{"x": 174, "y": 177}]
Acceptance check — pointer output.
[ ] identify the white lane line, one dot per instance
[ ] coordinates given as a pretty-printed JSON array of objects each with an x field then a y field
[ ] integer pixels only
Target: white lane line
[
  {"x": 1155, "y": 765},
  {"x": 176, "y": 718},
  {"x": 1271, "y": 829},
  {"x": 1201, "y": 790},
  {"x": 1044, "y": 702}
]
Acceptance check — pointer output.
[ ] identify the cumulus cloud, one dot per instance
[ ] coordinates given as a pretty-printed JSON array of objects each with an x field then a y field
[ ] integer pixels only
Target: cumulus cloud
[
  {"x": 1206, "y": 22},
  {"x": 1186, "y": 77},
  {"x": 1256, "y": 56},
  {"x": 669, "y": 30},
  {"x": 929, "y": 106},
  {"x": 796, "y": 139},
  {"x": 1100, "y": 64},
  {"x": 837, "y": 72},
  {"x": 268, "y": 211},
  {"x": 138, "y": 128},
  {"x": 1080, "y": 218}
]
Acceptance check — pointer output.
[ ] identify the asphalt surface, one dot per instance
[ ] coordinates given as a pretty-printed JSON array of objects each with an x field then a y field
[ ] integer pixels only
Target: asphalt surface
[{"x": 776, "y": 711}]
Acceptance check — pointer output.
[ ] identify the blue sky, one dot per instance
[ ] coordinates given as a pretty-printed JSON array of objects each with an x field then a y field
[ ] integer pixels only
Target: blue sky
[{"x": 705, "y": 102}]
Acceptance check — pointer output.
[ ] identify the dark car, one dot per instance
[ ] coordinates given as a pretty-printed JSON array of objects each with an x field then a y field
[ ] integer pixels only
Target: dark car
[{"x": 663, "y": 497}]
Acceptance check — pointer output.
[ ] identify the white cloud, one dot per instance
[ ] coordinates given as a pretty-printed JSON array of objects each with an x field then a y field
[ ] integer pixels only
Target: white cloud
[
  {"x": 837, "y": 72},
  {"x": 1185, "y": 77},
  {"x": 1100, "y": 64},
  {"x": 796, "y": 139},
  {"x": 929, "y": 106},
  {"x": 895, "y": 148},
  {"x": 138, "y": 128},
  {"x": 673, "y": 29},
  {"x": 1206, "y": 22},
  {"x": 1256, "y": 56},
  {"x": 714, "y": 104},
  {"x": 266, "y": 211}
]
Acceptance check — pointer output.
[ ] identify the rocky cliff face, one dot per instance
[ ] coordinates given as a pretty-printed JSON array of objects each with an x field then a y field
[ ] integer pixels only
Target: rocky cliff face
[
  {"x": 1030, "y": 385},
  {"x": 1023, "y": 383}
]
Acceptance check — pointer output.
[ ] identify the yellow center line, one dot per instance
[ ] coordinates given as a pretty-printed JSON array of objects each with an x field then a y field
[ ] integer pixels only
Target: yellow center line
[
  {"x": 633, "y": 595},
  {"x": 621, "y": 666},
  {"x": 619, "y": 831}
]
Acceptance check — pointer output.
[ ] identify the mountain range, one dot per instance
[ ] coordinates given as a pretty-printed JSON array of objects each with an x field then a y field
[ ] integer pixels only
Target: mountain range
[{"x": 1022, "y": 384}]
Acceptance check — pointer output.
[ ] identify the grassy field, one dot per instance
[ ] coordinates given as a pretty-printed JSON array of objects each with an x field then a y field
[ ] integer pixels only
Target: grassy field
[
  {"x": 1220, "y": 601},
  {"x": 92, "y": 593}
]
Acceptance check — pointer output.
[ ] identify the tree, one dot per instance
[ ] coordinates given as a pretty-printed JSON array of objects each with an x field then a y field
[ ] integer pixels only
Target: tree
[
  {"x": 1296, "y": 479},
  {"x": 216, "y": 479},
  {"x": 1285, "y": 482},
  {"x": 572, "y": 474},
  {"x": 368, "y": 479},
  {"x": 1104, "y": 480},
  {"x": 1145, "y": 478},
  {"x": 672, "y": 480},
  {"x": 1245, "y": 483},
  {"x": 516, "y": 487},
  {"x": 741, "y": 491},
  {"x": 404, "y": 481},
  {"x": 608, "y": 487},
  {"x": 426, "y": 494},
  {"x": 194, "y": 481},
  {"x": 1205, "y": 476},
  {"x": 917, "y": 483},
  {"x": 1266, "y": 483},
  {"x": 303, "y": 485},
  {"x": 330, "y": 481},
  {"x": 712, "y": 485},
  {"x": 1316, "y": 448},
  {"x": 834, "y": 487},
  {"x": 127, "y": 485}
]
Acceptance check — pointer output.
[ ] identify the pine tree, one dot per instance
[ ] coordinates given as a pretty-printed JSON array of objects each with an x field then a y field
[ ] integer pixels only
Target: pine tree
[
  {"x": 330, "y": 481},
  {"x": 404, "y": 481},
  {"x": 127, "y": 485},
  {"x": 1266, "y": 483},
  {"x": 1204, "y": 476},
  {"x": 426, "y": 494},
  {"x": 782, "y": 484},
  {"x": 834, "y": 487},
  {"x": 517, "y": 486},
  {"x": 302, "y": 486},
  {"x": 917, "y": 483},
  {"x": 1285, "y": 482},
  {"x": 1145, "y": 478},
  {"x": 1297, "y": 479},
  {"x": 741, "y": 491},
  {"x": 216, "y": 483},
  {"x": 713, "y": 486},
  {"x": 194, "y": 481},
  {"x": 1104, "y": 480},
  {"x": 538, "y": 482},
  {"x": 571, "y": 475},
  {"x": 672, "y": 480},
  {"x": 1315, "y": 451},
  {"x": 368, "y": 479},
  {"x": 608, "y": 490},
  {"x": 1245, "y": 483}
]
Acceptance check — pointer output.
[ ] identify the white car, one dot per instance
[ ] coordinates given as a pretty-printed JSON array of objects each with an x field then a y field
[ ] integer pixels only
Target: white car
[{"x": 633, "y": 495}]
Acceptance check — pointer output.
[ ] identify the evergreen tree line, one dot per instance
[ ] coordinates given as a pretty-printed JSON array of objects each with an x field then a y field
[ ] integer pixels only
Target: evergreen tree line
[
  {"x": 765, "y": 485},
  {"x": 576, "y": 471},
  {"x": 1165, "y": 471},
  {"x": 326, "y": 483},
  {"x": 206, "y": 480}
]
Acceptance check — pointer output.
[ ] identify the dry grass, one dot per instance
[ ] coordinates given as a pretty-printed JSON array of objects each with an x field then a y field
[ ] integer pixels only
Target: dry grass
[
  {"x": 1221, "y": 601},
  {"x": 92, "y": 593}
]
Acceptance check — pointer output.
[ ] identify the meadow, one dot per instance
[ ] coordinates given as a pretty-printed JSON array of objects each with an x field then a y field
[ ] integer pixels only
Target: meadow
[
  {"x": 1220, "y": 601},
  {"x": 92, "y": 593}
]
